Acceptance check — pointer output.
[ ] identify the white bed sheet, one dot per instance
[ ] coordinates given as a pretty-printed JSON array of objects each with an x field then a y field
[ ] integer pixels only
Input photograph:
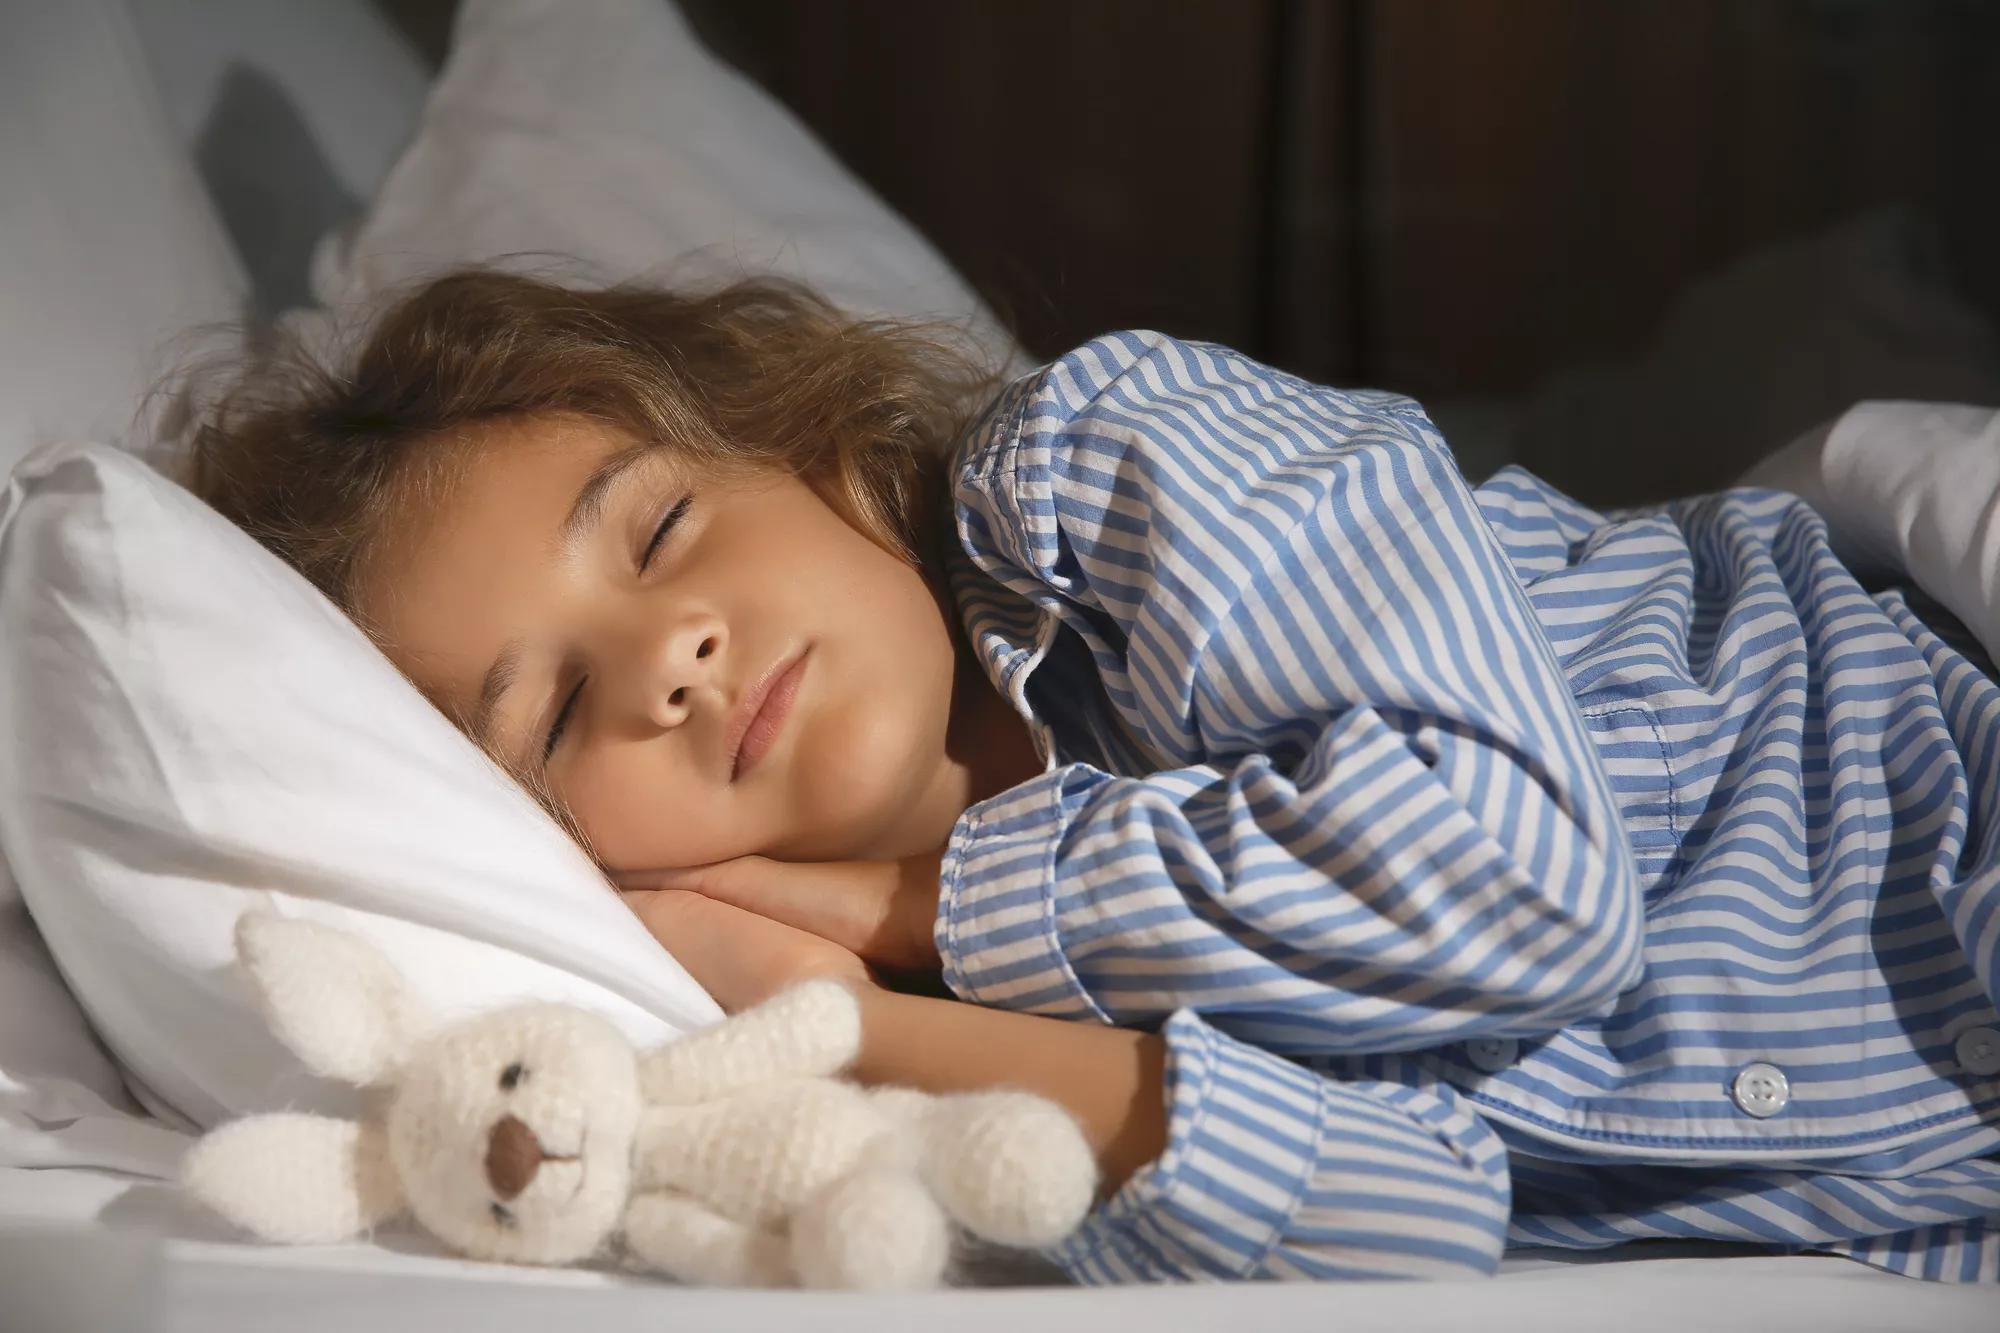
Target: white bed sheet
[{"x": 92, "y": 1250}]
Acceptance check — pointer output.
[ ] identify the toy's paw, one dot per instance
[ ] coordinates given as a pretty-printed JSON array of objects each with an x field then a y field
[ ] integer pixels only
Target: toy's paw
[
  {"x": 810, "y": 1030},
  {"x": 679, "y": 1235},
  {"x": 874, "y": 1230},
  {"x": 824, "y": 1017},
  {"x": 295, "y": 1179},
  {"x": 1011, "y": 1166}
]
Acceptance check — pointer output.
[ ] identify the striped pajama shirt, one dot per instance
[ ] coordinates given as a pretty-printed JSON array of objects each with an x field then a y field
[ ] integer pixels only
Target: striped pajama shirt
[{"x": 1497, "y": 871}]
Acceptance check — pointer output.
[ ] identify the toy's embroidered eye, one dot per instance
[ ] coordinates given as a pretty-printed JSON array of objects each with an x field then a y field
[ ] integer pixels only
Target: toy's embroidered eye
[
  {"x": 512, "y": 1075},
  {"x": 503, "y": 1215}
]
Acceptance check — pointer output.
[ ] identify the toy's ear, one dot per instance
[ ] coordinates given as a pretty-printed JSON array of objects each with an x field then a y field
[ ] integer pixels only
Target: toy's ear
[
  {"x": 296, "y": 1179},
  {"x": 330, "y": 996}
]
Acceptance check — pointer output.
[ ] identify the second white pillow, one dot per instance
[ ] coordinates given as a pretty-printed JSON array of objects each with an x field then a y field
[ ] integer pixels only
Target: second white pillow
[{"x": 608, "y": 134}]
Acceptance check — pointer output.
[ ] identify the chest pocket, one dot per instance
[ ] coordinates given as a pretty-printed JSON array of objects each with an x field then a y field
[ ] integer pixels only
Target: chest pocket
[
  {"x": 1640, "y": 761},
  {"x": 1664, "y": 741}
]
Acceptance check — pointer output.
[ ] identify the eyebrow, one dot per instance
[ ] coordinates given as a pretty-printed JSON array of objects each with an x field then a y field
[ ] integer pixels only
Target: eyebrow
[
  {"x": 588, "y": 507},
  {"x": 584, "y": 513}
]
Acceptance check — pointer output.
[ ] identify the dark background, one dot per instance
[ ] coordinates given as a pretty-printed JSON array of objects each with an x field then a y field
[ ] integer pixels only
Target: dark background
[{"x": 1466, "y": 200}]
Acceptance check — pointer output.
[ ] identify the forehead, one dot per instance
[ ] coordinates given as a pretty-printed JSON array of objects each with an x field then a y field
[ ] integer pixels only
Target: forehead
[{"x": 469, "y": 553}]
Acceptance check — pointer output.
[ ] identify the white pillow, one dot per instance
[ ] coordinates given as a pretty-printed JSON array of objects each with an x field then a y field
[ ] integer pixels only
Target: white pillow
[
  {"x": 193, "y": 731},
  {"x": 109, "y": 250},
  {"x": 1912, "y": 489},
  {"x": 606, "y": 132}
]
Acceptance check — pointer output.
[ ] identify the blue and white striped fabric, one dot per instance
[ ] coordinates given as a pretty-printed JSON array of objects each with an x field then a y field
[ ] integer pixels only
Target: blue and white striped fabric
[{"x": 1498, "y": 872}]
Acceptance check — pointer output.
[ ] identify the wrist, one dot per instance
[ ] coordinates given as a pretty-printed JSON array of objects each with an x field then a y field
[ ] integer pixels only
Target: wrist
[
  {"x": 884, "y": 1018},
  {"x": 1111, "y": 1080},
  {"x": 914, "y": 908}
]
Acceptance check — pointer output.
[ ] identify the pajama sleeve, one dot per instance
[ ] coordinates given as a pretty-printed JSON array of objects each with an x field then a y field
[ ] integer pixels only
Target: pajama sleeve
[
  {"x": 1380, "y": 825},
  {"x": 1271, "y": 1171}
]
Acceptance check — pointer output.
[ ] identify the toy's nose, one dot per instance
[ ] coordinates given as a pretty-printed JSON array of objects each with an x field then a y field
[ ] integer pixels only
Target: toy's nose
[{"x": 513, "y": 1155}]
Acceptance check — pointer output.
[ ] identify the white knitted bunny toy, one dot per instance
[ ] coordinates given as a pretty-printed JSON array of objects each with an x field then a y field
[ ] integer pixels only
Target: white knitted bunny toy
[{"x": 536, "y": 1134}]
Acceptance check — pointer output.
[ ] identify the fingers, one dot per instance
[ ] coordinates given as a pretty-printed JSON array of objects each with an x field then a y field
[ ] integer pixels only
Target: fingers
[
  {"x": 698, "y": 878},
  {"x": 879, "y": 910},
  {"x": 655, "y": 907},
  {"x": 738, "y": 957},
  {"x": 817, "y": 897}
]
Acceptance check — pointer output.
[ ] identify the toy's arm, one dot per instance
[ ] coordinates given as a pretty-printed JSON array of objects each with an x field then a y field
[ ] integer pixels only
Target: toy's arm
[{"x": 809, "y": 1030}]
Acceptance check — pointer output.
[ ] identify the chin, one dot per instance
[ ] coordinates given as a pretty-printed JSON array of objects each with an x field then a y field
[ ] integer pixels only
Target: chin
[{"x": 857, "y": 779}]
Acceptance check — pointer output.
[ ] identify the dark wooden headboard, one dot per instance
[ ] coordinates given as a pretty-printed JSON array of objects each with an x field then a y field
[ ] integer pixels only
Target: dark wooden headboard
[{"x": 1447, "y": 197}]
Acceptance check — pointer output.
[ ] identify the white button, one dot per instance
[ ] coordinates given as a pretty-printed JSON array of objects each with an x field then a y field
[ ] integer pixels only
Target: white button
[
  {"x": 1492, "y": 1054},
  {"x": 1761, "y": 1090},
  {"x": 1978, "y": 1051}
]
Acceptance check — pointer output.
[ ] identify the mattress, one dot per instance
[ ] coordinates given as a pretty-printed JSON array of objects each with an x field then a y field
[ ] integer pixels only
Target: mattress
[{"x": 97, "y": 1250}]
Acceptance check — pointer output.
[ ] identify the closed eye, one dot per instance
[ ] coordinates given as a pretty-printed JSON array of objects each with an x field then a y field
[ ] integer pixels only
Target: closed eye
[
  {"x": 660, "y": 533},
  {"x": 561, "y": 724}
]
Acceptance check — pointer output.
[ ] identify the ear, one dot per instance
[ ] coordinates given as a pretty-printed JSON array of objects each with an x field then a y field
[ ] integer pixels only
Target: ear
[
  {"x": 296, "y": 1179},
  {"x": 330, "y": 995}
]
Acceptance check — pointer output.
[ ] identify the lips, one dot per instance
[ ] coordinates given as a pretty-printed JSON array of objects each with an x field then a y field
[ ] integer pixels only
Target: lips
[{"x": 761, "y": 715}]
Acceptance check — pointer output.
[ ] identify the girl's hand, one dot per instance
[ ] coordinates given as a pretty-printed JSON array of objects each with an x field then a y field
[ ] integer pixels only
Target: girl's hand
[
  {"x": 738, "y": 957},
  {"x": 878, "y": 911}
]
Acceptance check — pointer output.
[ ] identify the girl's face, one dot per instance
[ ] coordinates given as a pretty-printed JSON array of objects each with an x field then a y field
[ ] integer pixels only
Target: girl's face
[{"x": 598, "y": 615}]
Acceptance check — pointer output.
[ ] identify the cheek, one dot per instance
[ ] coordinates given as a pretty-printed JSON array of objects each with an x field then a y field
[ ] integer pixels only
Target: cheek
[
  {"x": 637, "y": 813},
  {"x": 871, "y": 745}
]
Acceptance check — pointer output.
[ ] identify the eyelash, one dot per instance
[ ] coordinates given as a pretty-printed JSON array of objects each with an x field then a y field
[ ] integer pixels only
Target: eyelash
[
  {"x": 660, "y": 533},
  {"x": 561, "y": 723}
]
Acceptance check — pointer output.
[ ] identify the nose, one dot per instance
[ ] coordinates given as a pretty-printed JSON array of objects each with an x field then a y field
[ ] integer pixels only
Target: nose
[
  {"x": 672, "y": 663},
  {"x": 513, "y": 1155}
]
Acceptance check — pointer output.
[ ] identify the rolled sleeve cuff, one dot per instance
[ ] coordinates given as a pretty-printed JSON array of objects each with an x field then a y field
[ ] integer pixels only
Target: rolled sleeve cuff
[
  {"x": 996, "y": 921},
  {"x": 1243, "y": 1143}
]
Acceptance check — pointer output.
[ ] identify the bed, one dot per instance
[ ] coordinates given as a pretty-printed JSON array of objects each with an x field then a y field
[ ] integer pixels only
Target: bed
[{"x": 221, "y": 161}]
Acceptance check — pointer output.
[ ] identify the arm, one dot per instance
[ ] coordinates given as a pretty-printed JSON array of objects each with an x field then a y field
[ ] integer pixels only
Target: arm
[
  {"x": 1382, "y": 825},
  {"x": 1109, "y": 1079},
  {"x": 1217, "y": 1159}
]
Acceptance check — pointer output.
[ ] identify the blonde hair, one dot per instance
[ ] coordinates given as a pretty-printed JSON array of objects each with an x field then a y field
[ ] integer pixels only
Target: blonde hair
[{"x": 313, "y": 459}]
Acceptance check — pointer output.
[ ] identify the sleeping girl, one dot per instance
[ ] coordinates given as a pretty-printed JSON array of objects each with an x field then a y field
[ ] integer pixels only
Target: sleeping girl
[{"x": 1382, "y": 871}]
